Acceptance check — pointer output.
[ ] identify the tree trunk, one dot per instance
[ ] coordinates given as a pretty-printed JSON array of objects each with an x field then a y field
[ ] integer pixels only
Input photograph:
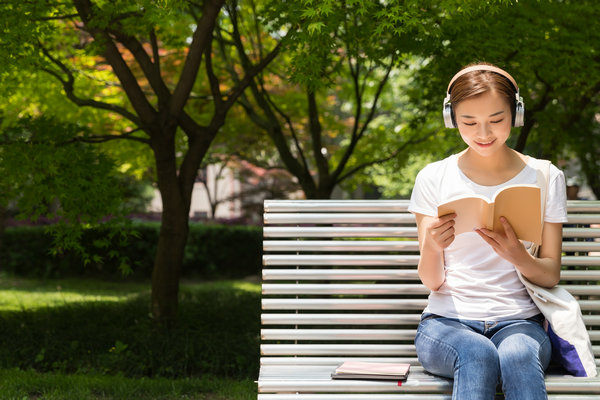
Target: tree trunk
[
  {"x": 167, "y": 265},
  {"x": 173, "y": 235}
]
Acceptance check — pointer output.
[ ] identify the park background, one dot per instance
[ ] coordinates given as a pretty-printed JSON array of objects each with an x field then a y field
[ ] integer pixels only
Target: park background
[{"x": 138, "y": 139}]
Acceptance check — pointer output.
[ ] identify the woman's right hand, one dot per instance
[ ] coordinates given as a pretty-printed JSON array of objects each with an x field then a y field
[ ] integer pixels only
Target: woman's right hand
[
  {"x": 435, "y": 234},
  {"x": 438, "y": 230}
]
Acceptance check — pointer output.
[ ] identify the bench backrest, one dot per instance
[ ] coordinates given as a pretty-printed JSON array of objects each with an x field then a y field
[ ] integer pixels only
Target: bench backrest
[{"x": 340, "y": 278}]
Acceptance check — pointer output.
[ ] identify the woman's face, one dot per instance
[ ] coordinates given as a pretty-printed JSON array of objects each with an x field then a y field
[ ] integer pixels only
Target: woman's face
[{"x": 484, "y": 122}]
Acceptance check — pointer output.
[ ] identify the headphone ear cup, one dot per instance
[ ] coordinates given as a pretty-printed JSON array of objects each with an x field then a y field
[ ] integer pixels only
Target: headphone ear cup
[
  {"x": 519, "y": 112},
  {"x": 447, "y": 112}
]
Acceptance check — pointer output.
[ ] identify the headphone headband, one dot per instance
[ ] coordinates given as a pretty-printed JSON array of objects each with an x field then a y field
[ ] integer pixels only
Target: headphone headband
[
  {"x": 483, "y": 67},
  {"x": 519, "y": 112}
]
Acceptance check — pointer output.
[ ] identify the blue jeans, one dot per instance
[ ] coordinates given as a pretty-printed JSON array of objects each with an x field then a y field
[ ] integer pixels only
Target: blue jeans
[{"x": 480, "y": 354}]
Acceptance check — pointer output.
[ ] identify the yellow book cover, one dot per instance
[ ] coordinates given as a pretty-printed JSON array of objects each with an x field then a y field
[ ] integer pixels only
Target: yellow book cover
[{"x": 519, "y": 204}]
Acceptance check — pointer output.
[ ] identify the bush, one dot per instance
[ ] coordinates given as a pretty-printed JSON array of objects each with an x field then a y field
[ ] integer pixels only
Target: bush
[{"x": 213, "y": 251}]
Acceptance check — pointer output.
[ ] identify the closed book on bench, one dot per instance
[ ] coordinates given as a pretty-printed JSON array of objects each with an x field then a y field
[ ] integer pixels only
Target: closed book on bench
[{"x": 371, "y": 370}]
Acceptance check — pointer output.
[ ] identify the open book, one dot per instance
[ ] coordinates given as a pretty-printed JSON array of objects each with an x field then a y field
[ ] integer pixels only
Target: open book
[
  {"x": 519, "y": 204},
  {"x": 371, "y": 370}
]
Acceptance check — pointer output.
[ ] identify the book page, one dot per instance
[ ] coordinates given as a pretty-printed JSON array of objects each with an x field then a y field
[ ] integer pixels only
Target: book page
[
  {"x": 471, "y": 213},
  {"x": 520, "y": 205}
]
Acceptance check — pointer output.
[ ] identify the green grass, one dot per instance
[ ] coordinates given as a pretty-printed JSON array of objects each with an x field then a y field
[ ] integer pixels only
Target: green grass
[
  {"x": 89, "y": 339},
  {"x": 27, "y": 295},
  {"x": 21, "y": 385}
]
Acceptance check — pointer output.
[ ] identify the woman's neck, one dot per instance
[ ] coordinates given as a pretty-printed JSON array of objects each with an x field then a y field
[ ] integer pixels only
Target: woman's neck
[{"x": 493, "y": 169}]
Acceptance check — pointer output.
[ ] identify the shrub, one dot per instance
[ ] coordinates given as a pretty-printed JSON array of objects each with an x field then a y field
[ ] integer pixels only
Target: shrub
[{"x": 213, "y": 251}]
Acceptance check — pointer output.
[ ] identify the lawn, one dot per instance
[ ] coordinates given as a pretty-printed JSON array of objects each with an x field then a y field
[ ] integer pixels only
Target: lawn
[{"x": 88, "y": 339}]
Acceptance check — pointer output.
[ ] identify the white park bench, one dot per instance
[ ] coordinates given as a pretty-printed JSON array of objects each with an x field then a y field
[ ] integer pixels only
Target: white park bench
[{"x": 340, "y": 283}]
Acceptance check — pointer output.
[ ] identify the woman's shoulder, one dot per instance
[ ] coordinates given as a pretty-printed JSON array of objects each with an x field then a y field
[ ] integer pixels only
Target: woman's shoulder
[{"x": 554, "y": 171}]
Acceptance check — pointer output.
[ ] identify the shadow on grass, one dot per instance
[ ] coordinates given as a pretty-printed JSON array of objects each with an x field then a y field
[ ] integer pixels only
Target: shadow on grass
[{"x": 108, "y": 330}]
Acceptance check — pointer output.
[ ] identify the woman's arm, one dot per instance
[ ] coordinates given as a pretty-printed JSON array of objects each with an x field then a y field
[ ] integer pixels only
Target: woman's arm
[
  {"x": 435, "y": 234},
  {"x": 543, "y": 270}
]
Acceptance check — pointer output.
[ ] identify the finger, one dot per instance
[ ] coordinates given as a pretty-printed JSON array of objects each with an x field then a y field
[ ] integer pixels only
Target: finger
[
  {"x": 508, "y": 230},
  {"x": 446, "y": 218},
  {"x": 485, "y": 235}
]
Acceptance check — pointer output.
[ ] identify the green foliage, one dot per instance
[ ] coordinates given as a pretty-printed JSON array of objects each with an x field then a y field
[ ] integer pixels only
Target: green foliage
[
  {"x": 212, "y": 251},
  {"x": 46, "y": 173},
  {"x": 217, "y": 333}
]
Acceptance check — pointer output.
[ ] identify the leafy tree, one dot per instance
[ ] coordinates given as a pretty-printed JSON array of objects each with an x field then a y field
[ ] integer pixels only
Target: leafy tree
[
  {"x": 554, "y": 61},
  {"x": 152, "y": 63},
  {"x": 326, "y": 104}
]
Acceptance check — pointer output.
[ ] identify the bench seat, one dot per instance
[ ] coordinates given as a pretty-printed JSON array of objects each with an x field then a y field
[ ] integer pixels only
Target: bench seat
[{"x": 340, "y": 283}]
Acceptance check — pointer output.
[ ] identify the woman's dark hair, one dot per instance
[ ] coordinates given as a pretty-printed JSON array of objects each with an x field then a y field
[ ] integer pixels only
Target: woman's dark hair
[{"x": 478, "y": 82}]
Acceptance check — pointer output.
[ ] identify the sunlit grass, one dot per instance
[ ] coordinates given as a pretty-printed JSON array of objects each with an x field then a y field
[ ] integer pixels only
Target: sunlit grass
[
  {"x": 25, "y": 294},
  {"x": 18, "y": 294}
]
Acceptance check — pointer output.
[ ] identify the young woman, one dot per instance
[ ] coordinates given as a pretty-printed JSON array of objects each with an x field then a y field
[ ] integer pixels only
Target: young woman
[{"x": 480, "y": 326}]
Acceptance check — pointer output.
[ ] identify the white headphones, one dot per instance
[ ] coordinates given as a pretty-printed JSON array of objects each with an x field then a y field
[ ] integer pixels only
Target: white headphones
[{"x": 519, "y": 115}]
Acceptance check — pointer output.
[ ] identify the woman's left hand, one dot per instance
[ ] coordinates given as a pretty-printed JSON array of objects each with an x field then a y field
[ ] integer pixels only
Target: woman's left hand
[{"x": 506, "y": 244}]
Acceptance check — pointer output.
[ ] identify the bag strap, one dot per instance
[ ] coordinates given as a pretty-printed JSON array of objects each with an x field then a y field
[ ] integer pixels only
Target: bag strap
[{"x": 542, "y": 168}]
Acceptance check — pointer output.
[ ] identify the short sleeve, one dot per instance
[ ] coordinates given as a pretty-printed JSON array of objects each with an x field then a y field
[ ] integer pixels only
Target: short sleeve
[
  {"x": 423, "y": 199},
  {"x": 556, "y": 203}
]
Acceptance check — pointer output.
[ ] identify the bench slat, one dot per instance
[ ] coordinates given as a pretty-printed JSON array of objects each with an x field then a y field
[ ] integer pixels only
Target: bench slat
[
  {"x": 343, "y": 245},
  {"x": 317, "y": 379},
  {"x": 383, "y": 289},
  {"x": 340, "y": 231},
  {"x": 370, "y": 396},
  {"x": 338, "y": 334},
  {"x": 335, "y": 205},
  {"x": 340, "y": 218},
  {"x": 337, "y": 349},
  {"x": 349, "y": 304},
  {"x": 379, "y": 259},
  {"x": 346, "y": 350},
  {"x": 307, "y": 360},
  {"x": 363, "y": 319},
  {"x": 382, "y": 245},
  {"x": 336, "y": 259},
  {"x": 340, "y": 319},
  {"x": 581, "y": 260},
  {"x": 340, "y": 274},
  {"x": 353, "y": 334},
  {"x": 379, "y": 396},
  {"x": 313, "y": 289},
  {"x": 385, "y": 274},
  {"x": 369, "y": 304},
  {"x": 589, "y": 233},
  {"x": 583, "y": 219},
  {"x": 401, "y": 205}
]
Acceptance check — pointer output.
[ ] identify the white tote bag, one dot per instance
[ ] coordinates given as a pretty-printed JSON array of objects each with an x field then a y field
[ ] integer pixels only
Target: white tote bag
[{"x": 571, "y": 345}]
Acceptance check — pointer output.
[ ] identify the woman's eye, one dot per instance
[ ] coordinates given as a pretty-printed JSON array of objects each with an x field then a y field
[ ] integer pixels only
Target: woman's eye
[
  {"x": 469, "y": 123},
  {"x": 498, "y": 121}
]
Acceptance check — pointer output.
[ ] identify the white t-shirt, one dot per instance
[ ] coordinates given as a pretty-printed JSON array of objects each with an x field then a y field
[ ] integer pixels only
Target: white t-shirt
[{"x": 479, "y": 283}]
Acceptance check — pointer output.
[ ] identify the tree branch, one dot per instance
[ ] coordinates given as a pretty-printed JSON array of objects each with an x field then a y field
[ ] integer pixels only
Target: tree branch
[
  {"x": 356, "y": 137},
  {"x": 69, "y": 88},
  {"x": 290, "y": 124},
  {"x": 395, "y": 154},
  {"x": 140, "y": 103},
  {"x": 212, "y": 79},
  {"x": 200, "y": 40}
]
